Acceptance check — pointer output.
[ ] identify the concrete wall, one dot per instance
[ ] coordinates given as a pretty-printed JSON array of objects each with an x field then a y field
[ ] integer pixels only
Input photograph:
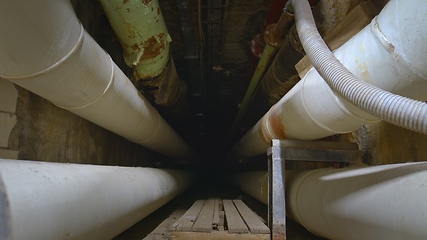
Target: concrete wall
[{"x": 384, "y": 143}]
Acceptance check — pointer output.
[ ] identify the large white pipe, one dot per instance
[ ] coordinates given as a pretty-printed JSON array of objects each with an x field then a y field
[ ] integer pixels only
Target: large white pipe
[
  {"x": 5, "y": 224},
  {"x": 73, "y": 201},
  {"x": 63, "y": 64},
  {"x": 380, "y": 202},
  {"x": 389, "y": 53},
  {"x": 254, "y": 184}
]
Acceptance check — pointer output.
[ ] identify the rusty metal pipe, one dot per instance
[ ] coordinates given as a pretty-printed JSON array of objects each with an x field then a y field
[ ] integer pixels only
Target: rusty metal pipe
[
  {"x": 141, "y": 29},
  {"x": 274, "y": 36},
  {"x": 275, "y": 33},
  {"x": 280, "y": 77},
  {"x": 257, "y": 44}
]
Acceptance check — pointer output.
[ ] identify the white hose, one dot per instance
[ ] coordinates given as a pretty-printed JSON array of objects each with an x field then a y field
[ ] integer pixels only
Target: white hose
[{"x": 398, "y": 110}]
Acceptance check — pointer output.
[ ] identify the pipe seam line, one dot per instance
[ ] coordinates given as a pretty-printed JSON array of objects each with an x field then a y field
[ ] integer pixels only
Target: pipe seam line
[
  {"x": 110, "y": 83},
  {"x": 391, "y": 48},
  {"x": 296, "y": 199},
  {"x": 341, "y": 107},
  {"x": 157, "y": 130},
  {"x": 53, "y": 66}
]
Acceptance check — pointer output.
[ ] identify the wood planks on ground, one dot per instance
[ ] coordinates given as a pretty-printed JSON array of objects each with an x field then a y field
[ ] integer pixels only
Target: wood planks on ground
[
  {"x": 355, "y": 21},
  {"x": 162, "y": 231},
  {"x": 252, "y": 220},
  {"x": 217, "y": 235},
  {"x": 234, "y": 222},
  {"x": 186, "y": 222},
  {"x": 216, "y": 219},
  {"x": 219, "y": 219},
  {"x": 205, "y": 218}
]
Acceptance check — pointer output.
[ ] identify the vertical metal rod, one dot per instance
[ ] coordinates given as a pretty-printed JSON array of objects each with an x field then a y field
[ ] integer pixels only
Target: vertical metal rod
[{"x": 276, "y": 192}]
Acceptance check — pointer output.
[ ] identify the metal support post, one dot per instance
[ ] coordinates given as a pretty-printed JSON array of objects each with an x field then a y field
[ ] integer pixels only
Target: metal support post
[
  {"x": 276, "y": 189},
  {"x": 280, "y": 151}
]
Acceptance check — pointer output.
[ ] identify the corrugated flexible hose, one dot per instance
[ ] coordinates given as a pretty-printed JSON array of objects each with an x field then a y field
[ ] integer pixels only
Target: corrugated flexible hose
[{"x": 392, "y": 108}]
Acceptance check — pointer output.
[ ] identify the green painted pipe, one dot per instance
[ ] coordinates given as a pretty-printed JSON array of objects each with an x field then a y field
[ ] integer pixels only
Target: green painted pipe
[
  {"x": 141, "y": 29},
  {"x": 263, "y": 63}
]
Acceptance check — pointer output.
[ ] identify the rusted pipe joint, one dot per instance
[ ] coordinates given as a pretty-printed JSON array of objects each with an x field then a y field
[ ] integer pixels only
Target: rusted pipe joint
[
  {"x": 271, "y": 38},
  {"x": 274, "y": 34}
]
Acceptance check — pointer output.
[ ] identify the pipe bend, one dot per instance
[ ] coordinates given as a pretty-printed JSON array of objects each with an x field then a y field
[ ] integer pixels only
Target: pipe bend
[{"x": 395, "y": 109}]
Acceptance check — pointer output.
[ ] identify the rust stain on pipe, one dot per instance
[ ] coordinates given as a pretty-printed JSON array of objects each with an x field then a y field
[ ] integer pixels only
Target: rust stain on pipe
[
  {"x": 276, "y": 125},
  {"x": 153, "y": 46},
  {"x": 146, "y": 2},
  {"x": 272, "y": 127}
]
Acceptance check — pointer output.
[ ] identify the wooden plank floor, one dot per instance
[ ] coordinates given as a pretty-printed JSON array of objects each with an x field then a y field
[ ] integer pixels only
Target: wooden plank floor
[
  {"x": 205, "y": 219},
  {"x": 252, "y": 220},
  {"x": 185, "y": 223},
  {"x": 216, "y": 219}
]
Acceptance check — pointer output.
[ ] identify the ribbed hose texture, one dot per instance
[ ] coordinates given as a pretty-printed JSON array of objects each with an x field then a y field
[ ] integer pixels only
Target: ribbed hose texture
[{"x": 395, "y": 109}]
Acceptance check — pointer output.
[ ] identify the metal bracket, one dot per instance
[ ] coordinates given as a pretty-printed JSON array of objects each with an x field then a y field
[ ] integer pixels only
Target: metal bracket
[
  {"x": 306, "y": 151},
  {"x": 276, "y": 194}
]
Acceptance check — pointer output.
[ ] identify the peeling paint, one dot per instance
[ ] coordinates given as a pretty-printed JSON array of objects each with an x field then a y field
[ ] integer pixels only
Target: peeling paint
[
  {"x": 146, "y": 2},
  {"x": 153, "y": 46}
]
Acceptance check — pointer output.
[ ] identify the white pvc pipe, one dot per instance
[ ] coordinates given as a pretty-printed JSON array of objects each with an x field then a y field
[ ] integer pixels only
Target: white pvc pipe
[
  {"x": 254, "y": 184},
  {"x": 389, "y": 53},
  {"x": 5, "y": 223},
  {"x": 76, "y": 201},
  {"x": 380, "y": 202},
  {"x": 63, "y": 64}
]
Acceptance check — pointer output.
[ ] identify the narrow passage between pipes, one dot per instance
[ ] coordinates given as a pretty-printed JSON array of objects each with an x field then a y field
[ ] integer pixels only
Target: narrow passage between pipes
[{"x": 211, "y": 186}]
